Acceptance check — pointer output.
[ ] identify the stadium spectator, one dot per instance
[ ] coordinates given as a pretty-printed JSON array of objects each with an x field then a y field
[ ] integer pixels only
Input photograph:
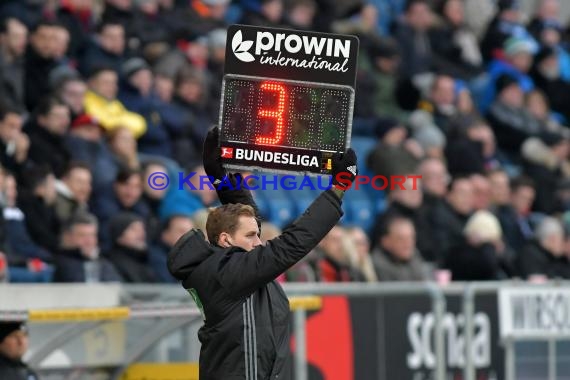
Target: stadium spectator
[
  {"x": 300, "y": 14},
  {"x": 441, "y": 102},
  {"x": 14, "y": 144},
  {"x": 396, "y": 257},
  {"x": 510, "y": 120},
  {"x": 39, "y": 62},
  {"x": 105, "y": 49},
  {"x": 394, "y": 154},
  {"x": 136, "y": 95},
  {"x": 37, "y": 201},
  {"x": 412, "y": 34},
  {"x": 547, "y": 13},
  {"x": 270, "y": 14},
  {"x": 123, "y": 147},
  {"x": 85, "y": 144},
  {"x": 72, "y": 89},
  {"x": 101, "y": 102},
  {"x": 545, "y": 160},
  {"x": 435, "y": 180},
  {"x": 79, "y": 259},
  {"x": 455, "y": 43},
  {"x": 448, "y": 221},
  {"x": 547, "y": 76},
  {"x": 173, "y": 229},
  {"x": 188, "y": 195},
  {"x": 407, "y": 202},
  {"x": 21, "y": 245},
  {"x": 538, "y": 107},
  {"x": 13, "y": 41},
  {"x": 192, "y": 119},
  {"x": 332, "y": 263},
  {"x": 47, "y": 132},
  {"x": 380, "y": 81},
  {"x": 129, "y": 250},
  {"x": 126, "y": 197},
  {"x": 14, "y": 344},
  {"x": 362, "y": 260},
  {"x": 472, "y": 148},
  {"x": 73, "y": 191},
  {"x": 481, "y": 255},
  {"x": 506, "y": 23},
  {"x": 481, "y": 192},
  {"x": 514, "y": 216},
  {"x": 544, "y": 255}
]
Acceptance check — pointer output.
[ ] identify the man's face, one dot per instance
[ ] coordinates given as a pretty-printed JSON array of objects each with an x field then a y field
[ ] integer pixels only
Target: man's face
[
  {"x": 246, "y": 235},
  {"x": 129, "y": 192},
  {"x": 112, "y": 39},
  {"x": 153, "y": 192},
  {"x": 332, "y": 244},
  {"x": 500, "y": 188},
  {"x": 401, "y": 240},
  {"x": 461, "y": 196},
  {"x": 105, "y": 84},
  {"x": 43, "y": 40},
  {"x": 178, "y": 227},
  {"x": 434, "y": 178},
  {"x": 79, "y": 182},
  {"x": 443, "y": 93},
  {"x": 10, "y": 127},
  {"x": 134, "y": 236},
  {"x": 420, "y": 17},
  {"x": 522, "y": 199},
  {"x": 57, "y": 120},
  {"x": 411, "y": 196},
  {"x": 84, "y": 237},
  {"x": 15, "y": 345},
  {"x": 73, "y": 94},
  {"x": 15, "y": 38}
]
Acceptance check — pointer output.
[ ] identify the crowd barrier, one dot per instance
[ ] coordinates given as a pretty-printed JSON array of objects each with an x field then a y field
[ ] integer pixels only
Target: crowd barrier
[{"x": 494, "y": 330}]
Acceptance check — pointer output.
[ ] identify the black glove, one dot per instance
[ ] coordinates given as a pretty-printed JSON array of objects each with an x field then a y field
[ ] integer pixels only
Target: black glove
[
  {"x": 344, "y": 169},
  {"x": 211, "y": 157}
]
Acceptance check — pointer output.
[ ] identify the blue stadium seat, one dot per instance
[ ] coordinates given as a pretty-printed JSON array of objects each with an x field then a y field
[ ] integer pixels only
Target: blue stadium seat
[{"x": 359, "y": 209}]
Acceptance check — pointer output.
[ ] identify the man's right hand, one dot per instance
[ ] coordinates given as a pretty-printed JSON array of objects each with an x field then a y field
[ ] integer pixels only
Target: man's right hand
[
  {"x": 344, "y": 169},
  {"x": 211, "y": 157}
]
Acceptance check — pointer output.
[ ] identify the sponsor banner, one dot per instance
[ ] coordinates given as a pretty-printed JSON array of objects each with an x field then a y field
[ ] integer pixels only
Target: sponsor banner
[
  {"x": 392, "y": 337},
  {"x": 534, "y": 312},
  {"x": 253, "y": 157},
  {"x": 292, "y": 54}
]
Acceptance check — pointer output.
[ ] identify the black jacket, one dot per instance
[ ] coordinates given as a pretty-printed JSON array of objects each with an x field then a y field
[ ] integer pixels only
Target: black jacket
[
  {"x": 246, "y": 329},
  {"x": 15, "y": 370},
  {"x": 534, "y": 259}
]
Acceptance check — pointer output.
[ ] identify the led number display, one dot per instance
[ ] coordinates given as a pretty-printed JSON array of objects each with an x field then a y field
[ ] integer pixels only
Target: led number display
[{"x": 286, "y": 114}]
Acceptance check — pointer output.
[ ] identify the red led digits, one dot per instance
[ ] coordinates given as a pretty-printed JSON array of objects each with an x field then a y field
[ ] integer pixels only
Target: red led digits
[{"x": 277, "y": 114}]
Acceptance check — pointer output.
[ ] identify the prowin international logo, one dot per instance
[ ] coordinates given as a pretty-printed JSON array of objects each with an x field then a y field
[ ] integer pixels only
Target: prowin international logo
[
  {"x": 274, "y": 48},
  {"x": 276, "y": 157}
]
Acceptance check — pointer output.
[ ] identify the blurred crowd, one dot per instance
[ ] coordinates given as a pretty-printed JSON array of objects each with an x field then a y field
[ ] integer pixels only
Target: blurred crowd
[{"x": 96, "y": 95}]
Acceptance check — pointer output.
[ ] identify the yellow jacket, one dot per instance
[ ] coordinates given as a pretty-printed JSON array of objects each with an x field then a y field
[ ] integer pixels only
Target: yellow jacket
[{"x": 113, "y": 114}]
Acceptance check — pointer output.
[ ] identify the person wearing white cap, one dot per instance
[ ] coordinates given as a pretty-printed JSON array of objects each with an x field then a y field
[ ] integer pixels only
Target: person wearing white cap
[{"x": 482, "y": 254}]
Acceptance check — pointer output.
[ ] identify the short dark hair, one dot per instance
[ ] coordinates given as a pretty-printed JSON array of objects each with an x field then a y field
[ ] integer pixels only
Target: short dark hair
[
  {"x": 36, "y": 176},
  {"x": 522, "y": 181},
  {"x": 47, "y": 103},
  {"x": 47, "y": 24},
  {"x": 125, "y": 174},
  {"x": 411, "y": 3},
  {"x": 100, "y": 68},
  {"x": 107, "y": 22},
  {"x": 7, "y": 109},
  {"x": 72, "y": 165},
  {"x": 225, "y": 218},
  {"x": 390, "y": 221}
]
